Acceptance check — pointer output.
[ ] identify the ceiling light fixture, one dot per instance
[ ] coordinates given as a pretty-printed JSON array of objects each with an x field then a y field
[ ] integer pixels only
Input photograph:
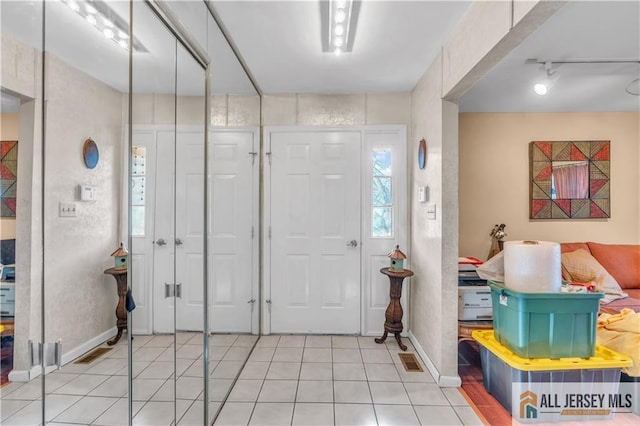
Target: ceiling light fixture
[
  {"x": 338, "y": 19},
  {"x": 99, "y": 15}
]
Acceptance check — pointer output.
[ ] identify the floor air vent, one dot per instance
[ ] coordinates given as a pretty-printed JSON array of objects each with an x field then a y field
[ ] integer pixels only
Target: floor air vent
[
  {"x": 410, "y": 363},
  {"x": 92, "y": 356}
]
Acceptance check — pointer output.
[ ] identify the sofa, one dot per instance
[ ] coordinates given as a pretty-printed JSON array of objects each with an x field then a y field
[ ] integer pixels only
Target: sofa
[
  {"x": 617, "y": 326},
  {"x": 621, "y": 261}
]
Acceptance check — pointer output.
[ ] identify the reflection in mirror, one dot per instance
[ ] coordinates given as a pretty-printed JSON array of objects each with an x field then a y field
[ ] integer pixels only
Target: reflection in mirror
[
  {"x": 234, "y": 161},
  {"x": 189, "y": 236},
  {"x": 569, "y": 179},
  {"x": 20, "y": 220},
  {"x": 83, "y": 288},
  {"x": 152, "y": 199}
]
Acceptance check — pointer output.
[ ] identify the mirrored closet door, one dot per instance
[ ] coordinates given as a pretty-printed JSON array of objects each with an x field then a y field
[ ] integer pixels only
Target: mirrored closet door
[
  {"x": 21, "y": 279},
  {"x": 123, "y": 148},
  {"x": 86, "y": 85}
]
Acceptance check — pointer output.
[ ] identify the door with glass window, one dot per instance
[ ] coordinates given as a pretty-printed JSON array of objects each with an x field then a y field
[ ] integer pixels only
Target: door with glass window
[{"x": 335, "y": 207}]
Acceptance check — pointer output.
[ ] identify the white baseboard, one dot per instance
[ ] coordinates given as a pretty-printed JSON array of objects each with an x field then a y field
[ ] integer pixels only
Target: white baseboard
[
  {"x": 67, "y": 357},
  {"x": 23, "y": 376},
  {"x": 442, "y": 381},
  {"x": 74, "y": 353}
]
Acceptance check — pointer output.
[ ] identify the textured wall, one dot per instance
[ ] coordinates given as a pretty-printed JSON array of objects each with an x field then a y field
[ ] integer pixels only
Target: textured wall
[
  {"x": 427, "y": 305},
  {"x": 226, "y": 110},
  {"x": 494, "y": 174},
  {"x": 21, "y": 73},
  {"x": 486, "y": 33},
  {"x": 80, "y": 299},
  {"x": 336, "y": 110}
]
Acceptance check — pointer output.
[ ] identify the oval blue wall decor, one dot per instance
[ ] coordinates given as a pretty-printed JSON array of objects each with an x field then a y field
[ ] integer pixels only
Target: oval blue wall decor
[
  {"x": 90, "y": 153},
  {"x": 422, "y": 153}
]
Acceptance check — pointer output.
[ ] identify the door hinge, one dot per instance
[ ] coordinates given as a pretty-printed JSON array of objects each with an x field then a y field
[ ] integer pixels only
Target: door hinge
[
  {"x": 253, "y": 157},
  {"x": 253, "y": 233},
  {"x": 269, "y": 232}
]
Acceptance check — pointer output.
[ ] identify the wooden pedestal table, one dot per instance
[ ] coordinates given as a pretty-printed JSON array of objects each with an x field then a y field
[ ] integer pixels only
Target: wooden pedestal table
[
  {"x": 121, "y": 312},
  {"x": 393, "y": 314}
]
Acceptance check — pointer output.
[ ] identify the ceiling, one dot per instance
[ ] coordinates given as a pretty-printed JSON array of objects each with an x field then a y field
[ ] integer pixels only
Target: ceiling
[
  {"x": 396, "y": 41},
  {"x": 71, "y": 39},
  {"x": 582, "y": 30},
  {"x": 393, "y": 45}
]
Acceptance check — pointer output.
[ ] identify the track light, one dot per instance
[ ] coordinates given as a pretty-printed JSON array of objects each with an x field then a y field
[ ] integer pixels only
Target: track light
[{"x": 542, "y": 87}]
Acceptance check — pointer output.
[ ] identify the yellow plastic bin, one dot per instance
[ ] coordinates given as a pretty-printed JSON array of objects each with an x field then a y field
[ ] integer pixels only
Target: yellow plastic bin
[{"x": 552, "y": 390}]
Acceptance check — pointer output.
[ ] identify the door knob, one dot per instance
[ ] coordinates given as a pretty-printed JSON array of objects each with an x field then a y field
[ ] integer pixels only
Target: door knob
[
  {"x": 352, "y": 243},
  {"x": 160, "y": 242},
  {"x": 178, "y": 242}
]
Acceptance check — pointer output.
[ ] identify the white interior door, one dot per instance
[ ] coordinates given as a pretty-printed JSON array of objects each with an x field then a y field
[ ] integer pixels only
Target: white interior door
[
  {"x": 189, "y": 241},
  {"x": 233, "y": 223},
  {"x": 315, "y": 231},
  {"x": 164, "y": 232},
  {"x": 233, "y": 227}
]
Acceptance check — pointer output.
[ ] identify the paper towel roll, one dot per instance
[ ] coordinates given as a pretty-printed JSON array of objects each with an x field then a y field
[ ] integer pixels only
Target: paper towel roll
[{"x": 532, "y": 266}]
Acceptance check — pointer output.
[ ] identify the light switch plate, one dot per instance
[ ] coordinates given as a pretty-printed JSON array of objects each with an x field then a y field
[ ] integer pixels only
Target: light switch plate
[
  {"x": 431, "y": 211},
  {"x": 67, "y": 210}
]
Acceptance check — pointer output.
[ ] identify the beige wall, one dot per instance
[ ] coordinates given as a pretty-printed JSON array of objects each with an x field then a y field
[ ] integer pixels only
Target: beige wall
[
  {"x": 226, "y": 110},
  {"x": 494, "y": 177},
  {"x": 336, "y": 110},
  {"x": 488, "y": 31},
  {"x": 8, "y": 132},
  {"x": 78, "y": 249},
  {"x": 80, "y": 298}
]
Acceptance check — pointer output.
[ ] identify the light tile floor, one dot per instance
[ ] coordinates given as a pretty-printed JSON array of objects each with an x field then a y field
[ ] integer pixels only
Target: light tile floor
[
  {"x": 338, "y": 380},
  {"x": 288, "y": 380},
  {"x": 96, "y": 393}
]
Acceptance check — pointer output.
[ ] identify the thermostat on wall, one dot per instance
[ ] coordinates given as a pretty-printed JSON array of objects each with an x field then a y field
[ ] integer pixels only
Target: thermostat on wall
[{"x": 87, "y": 193}]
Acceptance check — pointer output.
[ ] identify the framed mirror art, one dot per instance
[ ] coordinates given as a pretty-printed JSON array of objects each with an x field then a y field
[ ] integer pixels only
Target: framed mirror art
[{"x": 569, "y": 180}]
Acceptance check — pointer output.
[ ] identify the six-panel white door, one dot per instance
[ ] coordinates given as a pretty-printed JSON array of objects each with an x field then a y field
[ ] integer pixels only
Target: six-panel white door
[
  {"x": 232, "y": 224},
  {"x": 233, "y": 234},
  {"x": 189, "y": 240},
  {"x": 315, "y": 231}
]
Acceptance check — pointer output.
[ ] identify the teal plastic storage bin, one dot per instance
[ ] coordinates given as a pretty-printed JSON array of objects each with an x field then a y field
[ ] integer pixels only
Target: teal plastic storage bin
[{"x": 545, "y": 325}]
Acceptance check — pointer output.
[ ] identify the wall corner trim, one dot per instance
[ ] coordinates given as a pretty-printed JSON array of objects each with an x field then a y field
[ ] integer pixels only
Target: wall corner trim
[
  {"x": 22, "y": 376},
  {"x": 442, "y": 381}
]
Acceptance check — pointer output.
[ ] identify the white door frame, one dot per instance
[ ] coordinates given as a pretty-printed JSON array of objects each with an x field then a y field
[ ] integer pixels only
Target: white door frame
[{"x": 374, "y": 289}]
